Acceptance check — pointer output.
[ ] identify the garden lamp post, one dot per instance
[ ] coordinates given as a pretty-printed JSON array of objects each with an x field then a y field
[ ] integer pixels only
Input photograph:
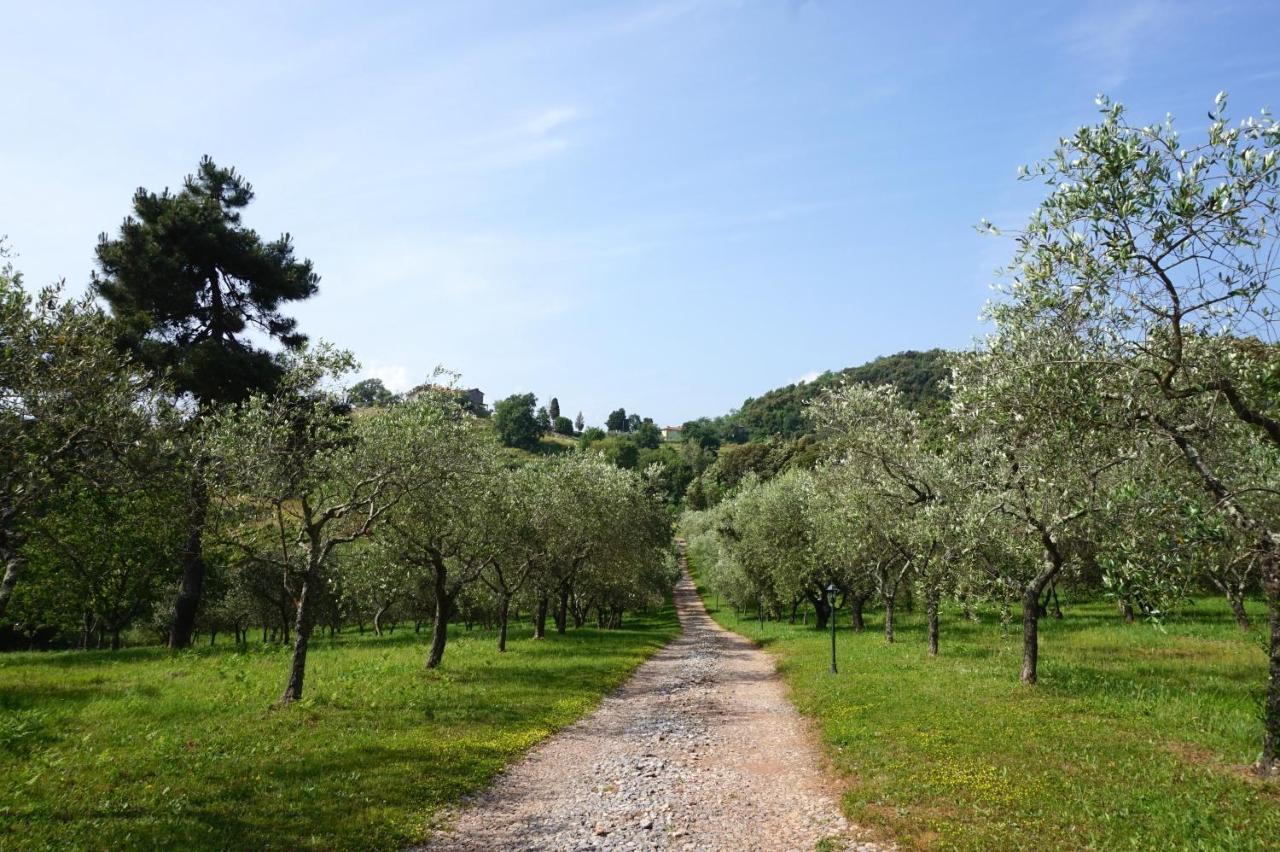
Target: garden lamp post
[{"x": 832, "y": 591}]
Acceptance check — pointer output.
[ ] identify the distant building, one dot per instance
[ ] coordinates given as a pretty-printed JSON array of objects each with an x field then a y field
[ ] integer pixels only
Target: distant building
[{"x": 672, "y": 433}]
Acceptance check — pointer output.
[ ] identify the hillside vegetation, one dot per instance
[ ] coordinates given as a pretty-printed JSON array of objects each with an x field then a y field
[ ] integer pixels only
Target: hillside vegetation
[{"x": 920, "y": 376}]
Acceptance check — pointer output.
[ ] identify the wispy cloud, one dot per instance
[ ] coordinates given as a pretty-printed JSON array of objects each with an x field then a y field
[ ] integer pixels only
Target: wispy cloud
[
  {"x": 527, "y": 138},
  {"x": 1109, "y": 38}
]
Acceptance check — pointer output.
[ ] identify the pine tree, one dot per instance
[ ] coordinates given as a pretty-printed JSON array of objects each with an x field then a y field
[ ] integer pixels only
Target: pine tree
[
  {"x": 554, "y": 408},
  {"x": 187, "y": 281},
  {"x": 578, "y": 422}
]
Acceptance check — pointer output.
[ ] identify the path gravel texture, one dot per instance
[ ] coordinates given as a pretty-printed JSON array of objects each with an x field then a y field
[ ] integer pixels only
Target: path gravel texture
[{"x": 700, "y": 749}]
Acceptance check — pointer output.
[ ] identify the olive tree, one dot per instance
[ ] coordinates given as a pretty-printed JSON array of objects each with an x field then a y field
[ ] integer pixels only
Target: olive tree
[
  {"x": 296, "y": 477},
  {"x": 442, "y": 533},
  {"x": 884, "y": 448},
  {"x": 1162, "y": 254},
  {"x": 69, "y": 406},
  {"x": 1038, "y": 460}
]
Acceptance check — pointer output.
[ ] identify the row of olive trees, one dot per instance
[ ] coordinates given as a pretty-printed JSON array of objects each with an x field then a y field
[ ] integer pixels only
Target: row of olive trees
[
  {"x": 416, "y": 500},
  {"x": 307, "y": 511},
  {"x": 1120, "y": 425}
]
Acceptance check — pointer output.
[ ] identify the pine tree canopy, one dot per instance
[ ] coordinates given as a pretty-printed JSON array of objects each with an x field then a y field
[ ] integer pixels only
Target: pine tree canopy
[{"x": 188, "y": 282}]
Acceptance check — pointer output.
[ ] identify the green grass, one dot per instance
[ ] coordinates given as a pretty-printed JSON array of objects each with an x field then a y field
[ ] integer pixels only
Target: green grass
[
  {"x": 1134, "y": 738},
  {"x": 146, "y": 749}
]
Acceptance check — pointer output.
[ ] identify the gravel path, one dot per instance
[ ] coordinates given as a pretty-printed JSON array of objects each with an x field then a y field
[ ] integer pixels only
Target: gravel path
[{"x": 699, "y": 750}]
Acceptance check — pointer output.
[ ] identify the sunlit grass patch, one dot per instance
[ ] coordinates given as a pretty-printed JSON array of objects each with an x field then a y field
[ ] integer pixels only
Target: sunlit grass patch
[
  {"x": 147, "y": 749},
  {"x": 1135, "y": 737}
]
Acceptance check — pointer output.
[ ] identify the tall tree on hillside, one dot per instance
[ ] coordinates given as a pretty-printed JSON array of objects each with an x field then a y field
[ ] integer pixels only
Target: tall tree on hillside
[
  {"x": 369, "y": 393},
  {"x": 554, "y": 409},
  {"x": 515, "y": 423},
  {"x": 647, "y": 435},
  {"x": 578, "y": 422},
  {"x": 618, "y": 421},
  {"x": 188, "y": 283}
]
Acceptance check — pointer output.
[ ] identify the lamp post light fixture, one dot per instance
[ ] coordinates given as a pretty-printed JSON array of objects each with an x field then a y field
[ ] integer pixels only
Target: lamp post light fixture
[{"x": 832, "y": 591}]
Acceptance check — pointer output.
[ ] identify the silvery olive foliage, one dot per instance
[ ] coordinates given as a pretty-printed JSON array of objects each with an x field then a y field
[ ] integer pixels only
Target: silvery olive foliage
[
  {"x": 1119, "y": 426},
  {"x": 71, "y": 410}
]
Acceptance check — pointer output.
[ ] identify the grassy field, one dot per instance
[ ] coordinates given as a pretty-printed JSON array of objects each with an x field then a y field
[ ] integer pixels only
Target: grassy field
[
  {"x": 147, "y": 749},
  {"x": 1134, "y": 738}
]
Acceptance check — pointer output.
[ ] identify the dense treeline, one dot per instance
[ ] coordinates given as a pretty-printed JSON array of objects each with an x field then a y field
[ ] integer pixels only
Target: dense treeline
[
  {"x": 776, "y": 432},
  {"x": 1118, "y": 431},
  {"x": 163, "y": 475},
  {"x": 783, "y": 412}
]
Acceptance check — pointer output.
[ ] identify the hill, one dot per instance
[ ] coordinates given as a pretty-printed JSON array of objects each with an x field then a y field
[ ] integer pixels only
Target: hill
[{"x": 781, "y": 412}]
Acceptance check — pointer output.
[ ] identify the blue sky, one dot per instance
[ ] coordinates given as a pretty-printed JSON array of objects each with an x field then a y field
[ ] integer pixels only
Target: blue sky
[{"x": 667, "y": 205}]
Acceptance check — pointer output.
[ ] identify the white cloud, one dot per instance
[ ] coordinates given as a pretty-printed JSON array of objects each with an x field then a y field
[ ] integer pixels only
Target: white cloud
[
  {"x": 807, "y": 377},
  {"x": 395, "y": 376},
  {"x": 549, "y": 120}
]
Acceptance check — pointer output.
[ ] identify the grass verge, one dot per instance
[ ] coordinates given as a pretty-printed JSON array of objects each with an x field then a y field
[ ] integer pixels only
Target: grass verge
[
  {"x": 147, "y": 749},
  {"x": 1134, "y": 738}
]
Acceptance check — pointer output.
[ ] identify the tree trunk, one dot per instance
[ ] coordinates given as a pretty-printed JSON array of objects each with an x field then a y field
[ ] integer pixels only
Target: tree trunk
[
  {"x": 1235, "y": 597},
  {"x": 888, "y": 618},
  {"x": 931, "y": 606},
  {"x": 504, "y": 611},
  {"x": 562, "y": 611},
  {"x": 1127, "y": 608},
  {"x": 12, "y": 571},
  {"x": 540, "y": 617},
  {"x": 1269, "y": 761},
  {"x": 188, "y": 601},
  {"x": 302, "y": 634},
  {"x": 821, "y": 613},
  {"x": 440, "y": 627},
  {"x": 377, "y": 620},
  {"x": 115, "y": 639},
  {"x": 856, "y": 603},
  {"x": 1030, "y": 633}
]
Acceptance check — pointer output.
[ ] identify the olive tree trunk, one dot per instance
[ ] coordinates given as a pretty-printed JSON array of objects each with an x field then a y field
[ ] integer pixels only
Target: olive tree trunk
[
  {"x": 1269, "y": 761},
  {"x": 821, "y": 612},
  {"x": 1031, "y": 613},
  {"x": 562, "y": 610},
  {"x": 931, "y": 607},
  {"x": 540, "y": 617},
  {"x": 504, "y": 612},
  {"x": 1235, "y": 598},
  {"x": 444, "y": 609},
  {"x": 856, "y": 604},
  {"x": 302, "y": 636},
  {"x": 187, "y": 603}
]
